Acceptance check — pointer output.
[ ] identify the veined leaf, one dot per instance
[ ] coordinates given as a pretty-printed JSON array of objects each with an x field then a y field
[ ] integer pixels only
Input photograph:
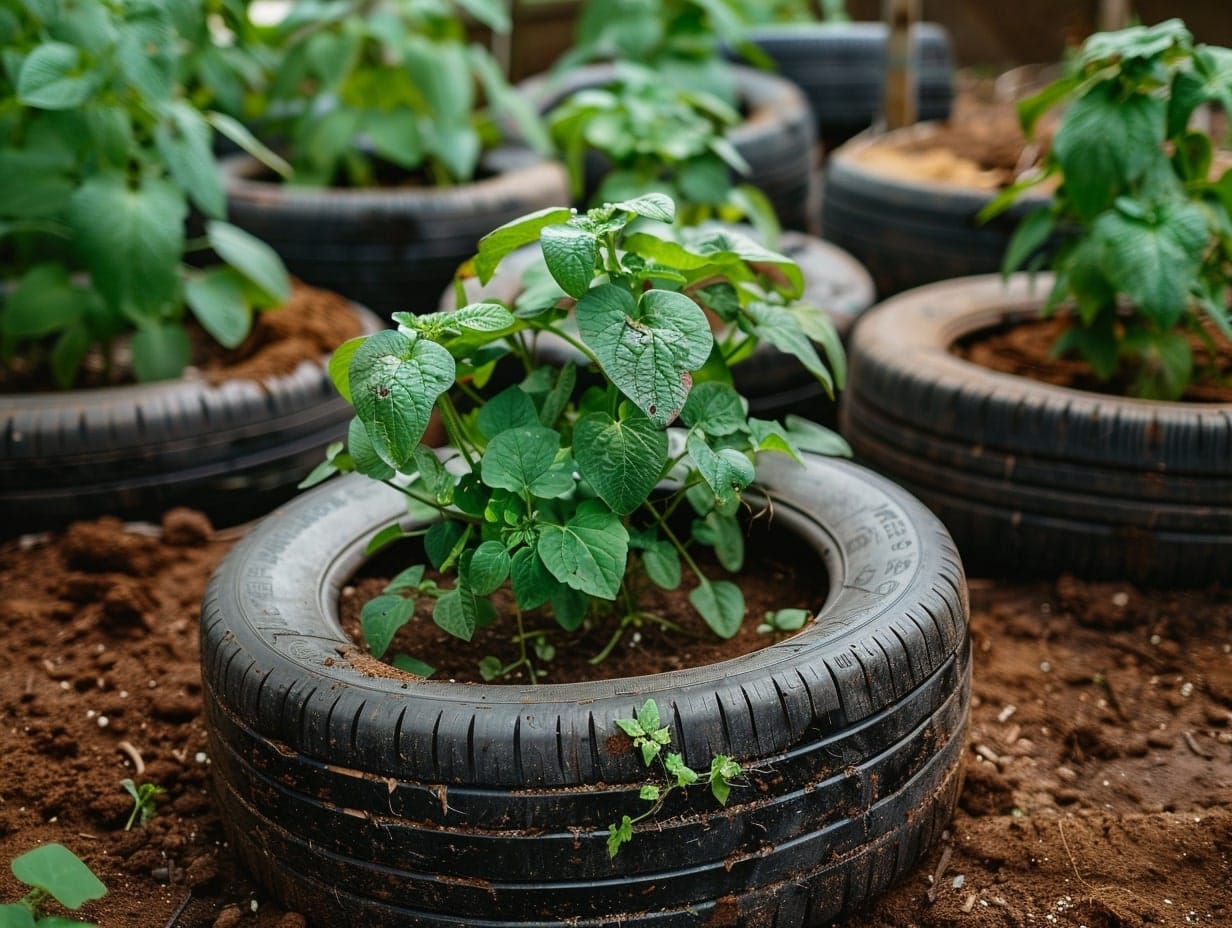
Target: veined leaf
[
  {"x": 587, "y": 553},
  {"x": 726, "y": 471},
  {"x": 649, "y": 347},
  {"x": 50, "y": 78},
  {"x": 131, "y": 239},
  {"x": 523, "y": 459},
  {"x": 395, "y": 380},
  {"x": 570, "y": 254},
  {"x": 511, "y": 236},
  {"x": 621, "y": 459}
]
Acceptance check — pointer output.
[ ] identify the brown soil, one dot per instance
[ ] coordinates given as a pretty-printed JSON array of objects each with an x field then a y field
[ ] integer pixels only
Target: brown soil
[
  {"x": 1099, "y": 770},
  {"x": 311, "y": 324},
  {"x": 980, "y": 146},
  {"x": 1024, "y": 348}
]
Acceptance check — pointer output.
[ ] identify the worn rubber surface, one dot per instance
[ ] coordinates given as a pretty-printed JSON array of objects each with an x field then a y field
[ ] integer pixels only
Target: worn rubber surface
[
  {"x": 907, "y": 231},
  {"x": 394, "y": 801},
  {"x": 389, "y": 248},
  {"x": 234, "y": 450},
  {"x": 841, "y": 69},
  {"x": 776, "y": 138},
  {"x": 1031, "y": 477}
]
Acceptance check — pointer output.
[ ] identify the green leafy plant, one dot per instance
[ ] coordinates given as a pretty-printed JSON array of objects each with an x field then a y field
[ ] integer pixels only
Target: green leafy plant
[
  {"x": 356, "y": 86},
  {"x": 51, "y": 871},
  {"x": 1146, "y": 232},
  {"x": 572, "y": 495},
  {"x": 653, "y": 739},
  {"x": 145, "y": 798},
  {"x": 682, "y": 41},
  {"x": 663, "y": 138},
  {"x": 101, "y": 155}
]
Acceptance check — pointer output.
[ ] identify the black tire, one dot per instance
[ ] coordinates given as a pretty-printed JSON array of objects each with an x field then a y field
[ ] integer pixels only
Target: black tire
[
  {"x": 234, "y": 451},
  {"x": 387, "y": 800},
  {"x": 389, "y": 249},
  {"x": 841, "y": 69},
  {"x": 776, "y": 137},
  {"x": 1030, "y": 477},
  {"x": 911, "y": 232}
]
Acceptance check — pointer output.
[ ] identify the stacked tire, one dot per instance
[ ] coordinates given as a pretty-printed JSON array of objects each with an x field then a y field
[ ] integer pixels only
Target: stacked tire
[
  {"x": 360, "y": 796},
  {"x": 1029, "y": 477}
]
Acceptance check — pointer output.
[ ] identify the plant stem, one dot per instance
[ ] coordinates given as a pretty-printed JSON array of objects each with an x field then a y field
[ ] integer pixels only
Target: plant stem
[
  {"x": 671, "y": 536},
  {"x": 454, "y": 427}
]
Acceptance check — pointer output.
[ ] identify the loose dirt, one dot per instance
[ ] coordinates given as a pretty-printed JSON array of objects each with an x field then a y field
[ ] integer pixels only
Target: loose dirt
[{"x": 1099, "y": 763}]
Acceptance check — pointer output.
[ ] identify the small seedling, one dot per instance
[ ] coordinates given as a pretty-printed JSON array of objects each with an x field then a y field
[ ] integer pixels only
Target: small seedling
[
  {"x": 652, "y": 739},
  {"x": 144, "y": 798},
  {"x": 51, "y": 871},
  {"x": 784, "y": 620}
]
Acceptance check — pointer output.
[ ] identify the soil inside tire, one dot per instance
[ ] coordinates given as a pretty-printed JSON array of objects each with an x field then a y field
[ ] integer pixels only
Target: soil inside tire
[
  {"x": 980, "y": 146},
  {"x": 312, "y": 323},
  {"x": 1024, "y": 348},
  {"x": 1099, "y": 758},
  {"x": 778, "y": 574}
]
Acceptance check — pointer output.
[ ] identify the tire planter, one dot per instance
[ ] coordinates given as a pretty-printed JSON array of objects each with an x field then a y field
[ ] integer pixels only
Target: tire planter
[
  {"x": 234, "y": 450},
  {"x": 776, "y": 138},
  {"x": 1030, "y": 477},
  {"x": 908, "y": 231},
  {"x": 774, "y": 383},
  {"x": 388, "y": 800},
  {"x": 388, "y": 248},
  {"x": 841, "y": 68}
]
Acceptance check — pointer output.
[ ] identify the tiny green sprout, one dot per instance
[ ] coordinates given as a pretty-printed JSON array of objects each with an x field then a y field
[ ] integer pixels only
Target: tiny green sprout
[
  {"x": 784, "y": 620},
  {"x": 652, "y": 738},
  {"x": 51, "y": 871},
  {"x": 144, "y": 798}
]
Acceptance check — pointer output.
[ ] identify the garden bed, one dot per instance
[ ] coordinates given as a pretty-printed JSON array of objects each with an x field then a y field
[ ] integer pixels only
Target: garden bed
[{"x": 1099, "y": 769}]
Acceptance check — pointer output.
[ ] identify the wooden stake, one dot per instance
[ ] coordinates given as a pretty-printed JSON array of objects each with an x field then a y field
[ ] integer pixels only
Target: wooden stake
[
  {"x": 900, "y": 83},
  {"x": 1114, "y": 15}
]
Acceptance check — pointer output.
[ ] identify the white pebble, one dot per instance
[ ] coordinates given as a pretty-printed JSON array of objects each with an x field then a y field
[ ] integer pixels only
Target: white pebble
[
  {"x": 1120, "y": 600},
  {"x": 103, "y": 721},
  {"x": 200, "y": 757},
  {"x": 1045, "y": 666}
]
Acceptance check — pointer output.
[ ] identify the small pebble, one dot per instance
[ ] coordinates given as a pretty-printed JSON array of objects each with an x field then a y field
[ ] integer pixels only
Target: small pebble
[
  {"x": 228, "y": 917},
  {"x": 1120, "y": 600},
  {"x": 1066, "y": 774}
]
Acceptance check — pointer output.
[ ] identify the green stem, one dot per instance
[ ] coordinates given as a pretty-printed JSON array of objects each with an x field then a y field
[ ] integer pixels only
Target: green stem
[
  {"x": 611, "y": 642},
  {"x": 454, "y": 427},
  {"x": 671, "y": 536},
  {"x": 454, "y": 514}
]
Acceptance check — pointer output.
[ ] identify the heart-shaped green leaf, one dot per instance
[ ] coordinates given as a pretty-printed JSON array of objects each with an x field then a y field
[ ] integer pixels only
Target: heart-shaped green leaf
[
  {"x": 588, "y": 553},
  {"x": 524, "y": 459},
  {"x": 395, "y": 380},
  {"x": 622, "y": 460},
  {"x": 647, "y": 348}
]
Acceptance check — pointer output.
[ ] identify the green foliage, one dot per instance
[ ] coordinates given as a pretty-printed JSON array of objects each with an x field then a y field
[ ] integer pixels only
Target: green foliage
[
  {"x": 145, "y": 798},
  {"x": 655, "y": 135},
  {"x": 52, "y": 872},
  {"x": 652, "y": 739},
  {"x": 355, "y": 86},
  {"x": 681, "y": 41},
  {"x": 554, "y": 490},
  {"x": 1145, "y": 229},
  {"x": 102, "y": 154}
]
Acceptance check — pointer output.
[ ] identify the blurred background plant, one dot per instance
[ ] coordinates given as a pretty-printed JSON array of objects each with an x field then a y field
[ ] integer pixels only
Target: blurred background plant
[{"x": 102, "y": 153}]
